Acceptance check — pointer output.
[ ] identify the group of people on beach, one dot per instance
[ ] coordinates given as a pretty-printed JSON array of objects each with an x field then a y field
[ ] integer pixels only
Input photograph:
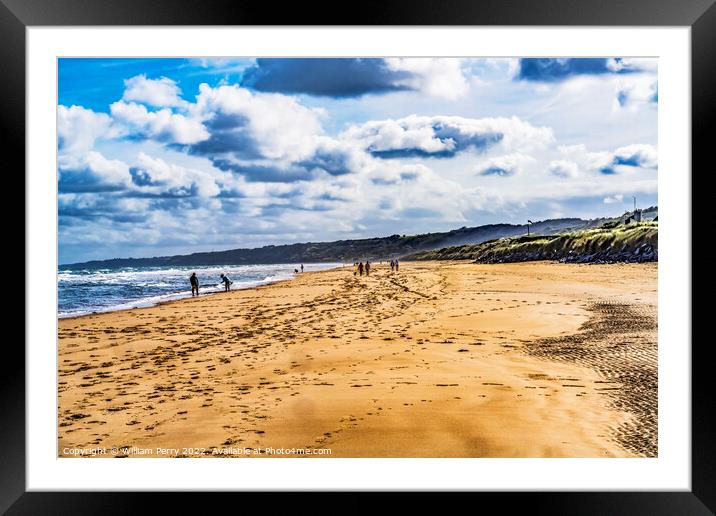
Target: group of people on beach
[
  {"x": 361, "y": 267},
  {"x": 194, "y": 280}
]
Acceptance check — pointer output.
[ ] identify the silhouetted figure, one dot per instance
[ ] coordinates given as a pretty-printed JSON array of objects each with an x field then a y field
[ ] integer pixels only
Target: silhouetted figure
[
  {"x": 392, "y": 265},
  {"x": 194, "y": 284},
  {"x": 360, "y": 268},
  {"x": 367, "y": 268},
  {"x": 227, "y": 282},
  {"x": 396, "y": 265},
  {"x": 301, "y": 267}
]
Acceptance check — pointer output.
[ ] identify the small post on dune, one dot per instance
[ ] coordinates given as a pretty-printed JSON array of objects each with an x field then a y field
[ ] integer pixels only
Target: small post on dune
[{"x": 528, "y": 226}]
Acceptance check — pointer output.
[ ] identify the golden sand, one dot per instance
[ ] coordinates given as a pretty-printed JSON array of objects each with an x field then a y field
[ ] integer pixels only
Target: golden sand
[{"x": 438, "y": 360}]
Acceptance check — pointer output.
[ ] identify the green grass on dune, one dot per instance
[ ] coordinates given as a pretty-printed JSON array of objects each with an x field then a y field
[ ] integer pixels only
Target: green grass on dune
[{"x": 603, "y": 242}]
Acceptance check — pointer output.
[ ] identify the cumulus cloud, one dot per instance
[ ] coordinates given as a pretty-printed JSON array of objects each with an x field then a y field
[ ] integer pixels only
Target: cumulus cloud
[
  {"x": 78, "y": 128},
  {"x": 353, "y": 77},
  {"x": 336, "y": 157},
  {"x": 250, "y": 125},
  {"x": 628, "y": 158},
  {"x": 559, "y": 69},
  {"x": 444, "y": 136},
  {"x": 585, "y": 159},
  {"x": 640, "y": 64},
  {"x": 163, "y": 125},
  {"x": 614, "y": 199},
  {"x": 437, "y": 77},
  {"x": 331, "y": 77},
  {"x": 623, "y": 159},
  {"x": 637, "y": 155},
  {"x": 92, "y": 172},
  {"x": 509, "y": 66},
  {"x": 508, "y": 165},
  {"x": 263, "y": 172},
  {"x": 269, "y": 137},
  {"x": 157, "y": 177},
  {"x": 274, "y": 138},
  {"x": 564, "y": 168},
  {"x": 381, "y": 173},
  {"x": 91, "y": 207},
  {"x": 637, "y": 91},
  {"x": 162, "y": 92}
]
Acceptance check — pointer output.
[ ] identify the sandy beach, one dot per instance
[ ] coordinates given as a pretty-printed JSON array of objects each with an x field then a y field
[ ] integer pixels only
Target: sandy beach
[{"x": 447, "y": 359}]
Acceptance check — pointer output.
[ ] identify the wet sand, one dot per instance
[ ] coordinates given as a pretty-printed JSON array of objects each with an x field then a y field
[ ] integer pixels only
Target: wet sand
[{"x": 439, "y": 360}]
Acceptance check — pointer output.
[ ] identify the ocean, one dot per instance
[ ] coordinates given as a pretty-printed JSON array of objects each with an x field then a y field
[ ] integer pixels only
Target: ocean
[{"x": 81, "y": 292}]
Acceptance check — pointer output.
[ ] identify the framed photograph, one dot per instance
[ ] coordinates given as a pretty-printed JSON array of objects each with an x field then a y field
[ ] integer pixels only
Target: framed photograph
[{"x": 409, "y": 251}]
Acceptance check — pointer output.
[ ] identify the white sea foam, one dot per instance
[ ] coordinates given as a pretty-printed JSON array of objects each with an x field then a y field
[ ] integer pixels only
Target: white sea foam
[{"x": 82, "y": 292}]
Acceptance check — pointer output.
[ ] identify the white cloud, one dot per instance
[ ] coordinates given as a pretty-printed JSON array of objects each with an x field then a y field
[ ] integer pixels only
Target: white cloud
[
  {"x": 91, "y": 171},
  {"x": 277, "y": 126},
  {"x": 622, "y": 159},
  {"x": 506, "y": 65},
  {"x": 634, "y": 91},
  {"x": 564, "y": 168},
  {"x": 162, "y": 92},
  {"x": 78, "y": 128},
  {"x": 637, "y": 155},
  {"x": 339, "y": 156},
  {"x": 164, "y": 125},
  {"x": 507, "y": 165},
  {"x": 385, "y": 135},
  {"x": 585, "y": 159},
  {"x": 394, "y": 173},
  {"x": 161, "y": 177},
  {"x": 437, "y": 77},
  {"x": 447, "y": 134},
  {"x": 642, "y": 64},
  {"x": 614, "y": 199}
]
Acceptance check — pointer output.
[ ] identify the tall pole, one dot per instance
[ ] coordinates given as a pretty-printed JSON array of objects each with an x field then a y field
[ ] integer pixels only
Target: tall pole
[{"x": 633, "y": 197}]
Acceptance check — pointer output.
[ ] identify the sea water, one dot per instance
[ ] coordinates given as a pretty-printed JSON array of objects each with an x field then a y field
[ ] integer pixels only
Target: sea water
[{"x": 85, "y": 291}]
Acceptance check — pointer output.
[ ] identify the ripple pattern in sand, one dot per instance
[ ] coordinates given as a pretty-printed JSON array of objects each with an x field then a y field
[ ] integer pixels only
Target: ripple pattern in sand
[{"x": 619, "y": 342}]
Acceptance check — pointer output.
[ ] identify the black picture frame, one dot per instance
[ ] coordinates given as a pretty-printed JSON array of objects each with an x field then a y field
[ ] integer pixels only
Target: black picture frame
[{"x": 699, "y": 15}]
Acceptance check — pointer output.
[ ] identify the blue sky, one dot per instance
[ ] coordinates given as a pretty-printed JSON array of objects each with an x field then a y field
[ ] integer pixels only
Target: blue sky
[{"x": 174, "y": 156}]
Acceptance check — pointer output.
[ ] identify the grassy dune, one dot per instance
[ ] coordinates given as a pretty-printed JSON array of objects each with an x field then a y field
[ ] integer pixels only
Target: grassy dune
[{"x": 631, "y": 243}]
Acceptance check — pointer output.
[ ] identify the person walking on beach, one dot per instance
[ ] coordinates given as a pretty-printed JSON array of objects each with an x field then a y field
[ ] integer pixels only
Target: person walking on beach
[
  {"x": 392, "y": 265},
  {"x": 194, "y": 284},
  {"x": 360, "y": 269},
  {"x": 301, "y": 267},
  {"x": 367, "y": 268},
  {"x": 396, "y": 265},
  {"x": 227, "y": 282}
]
